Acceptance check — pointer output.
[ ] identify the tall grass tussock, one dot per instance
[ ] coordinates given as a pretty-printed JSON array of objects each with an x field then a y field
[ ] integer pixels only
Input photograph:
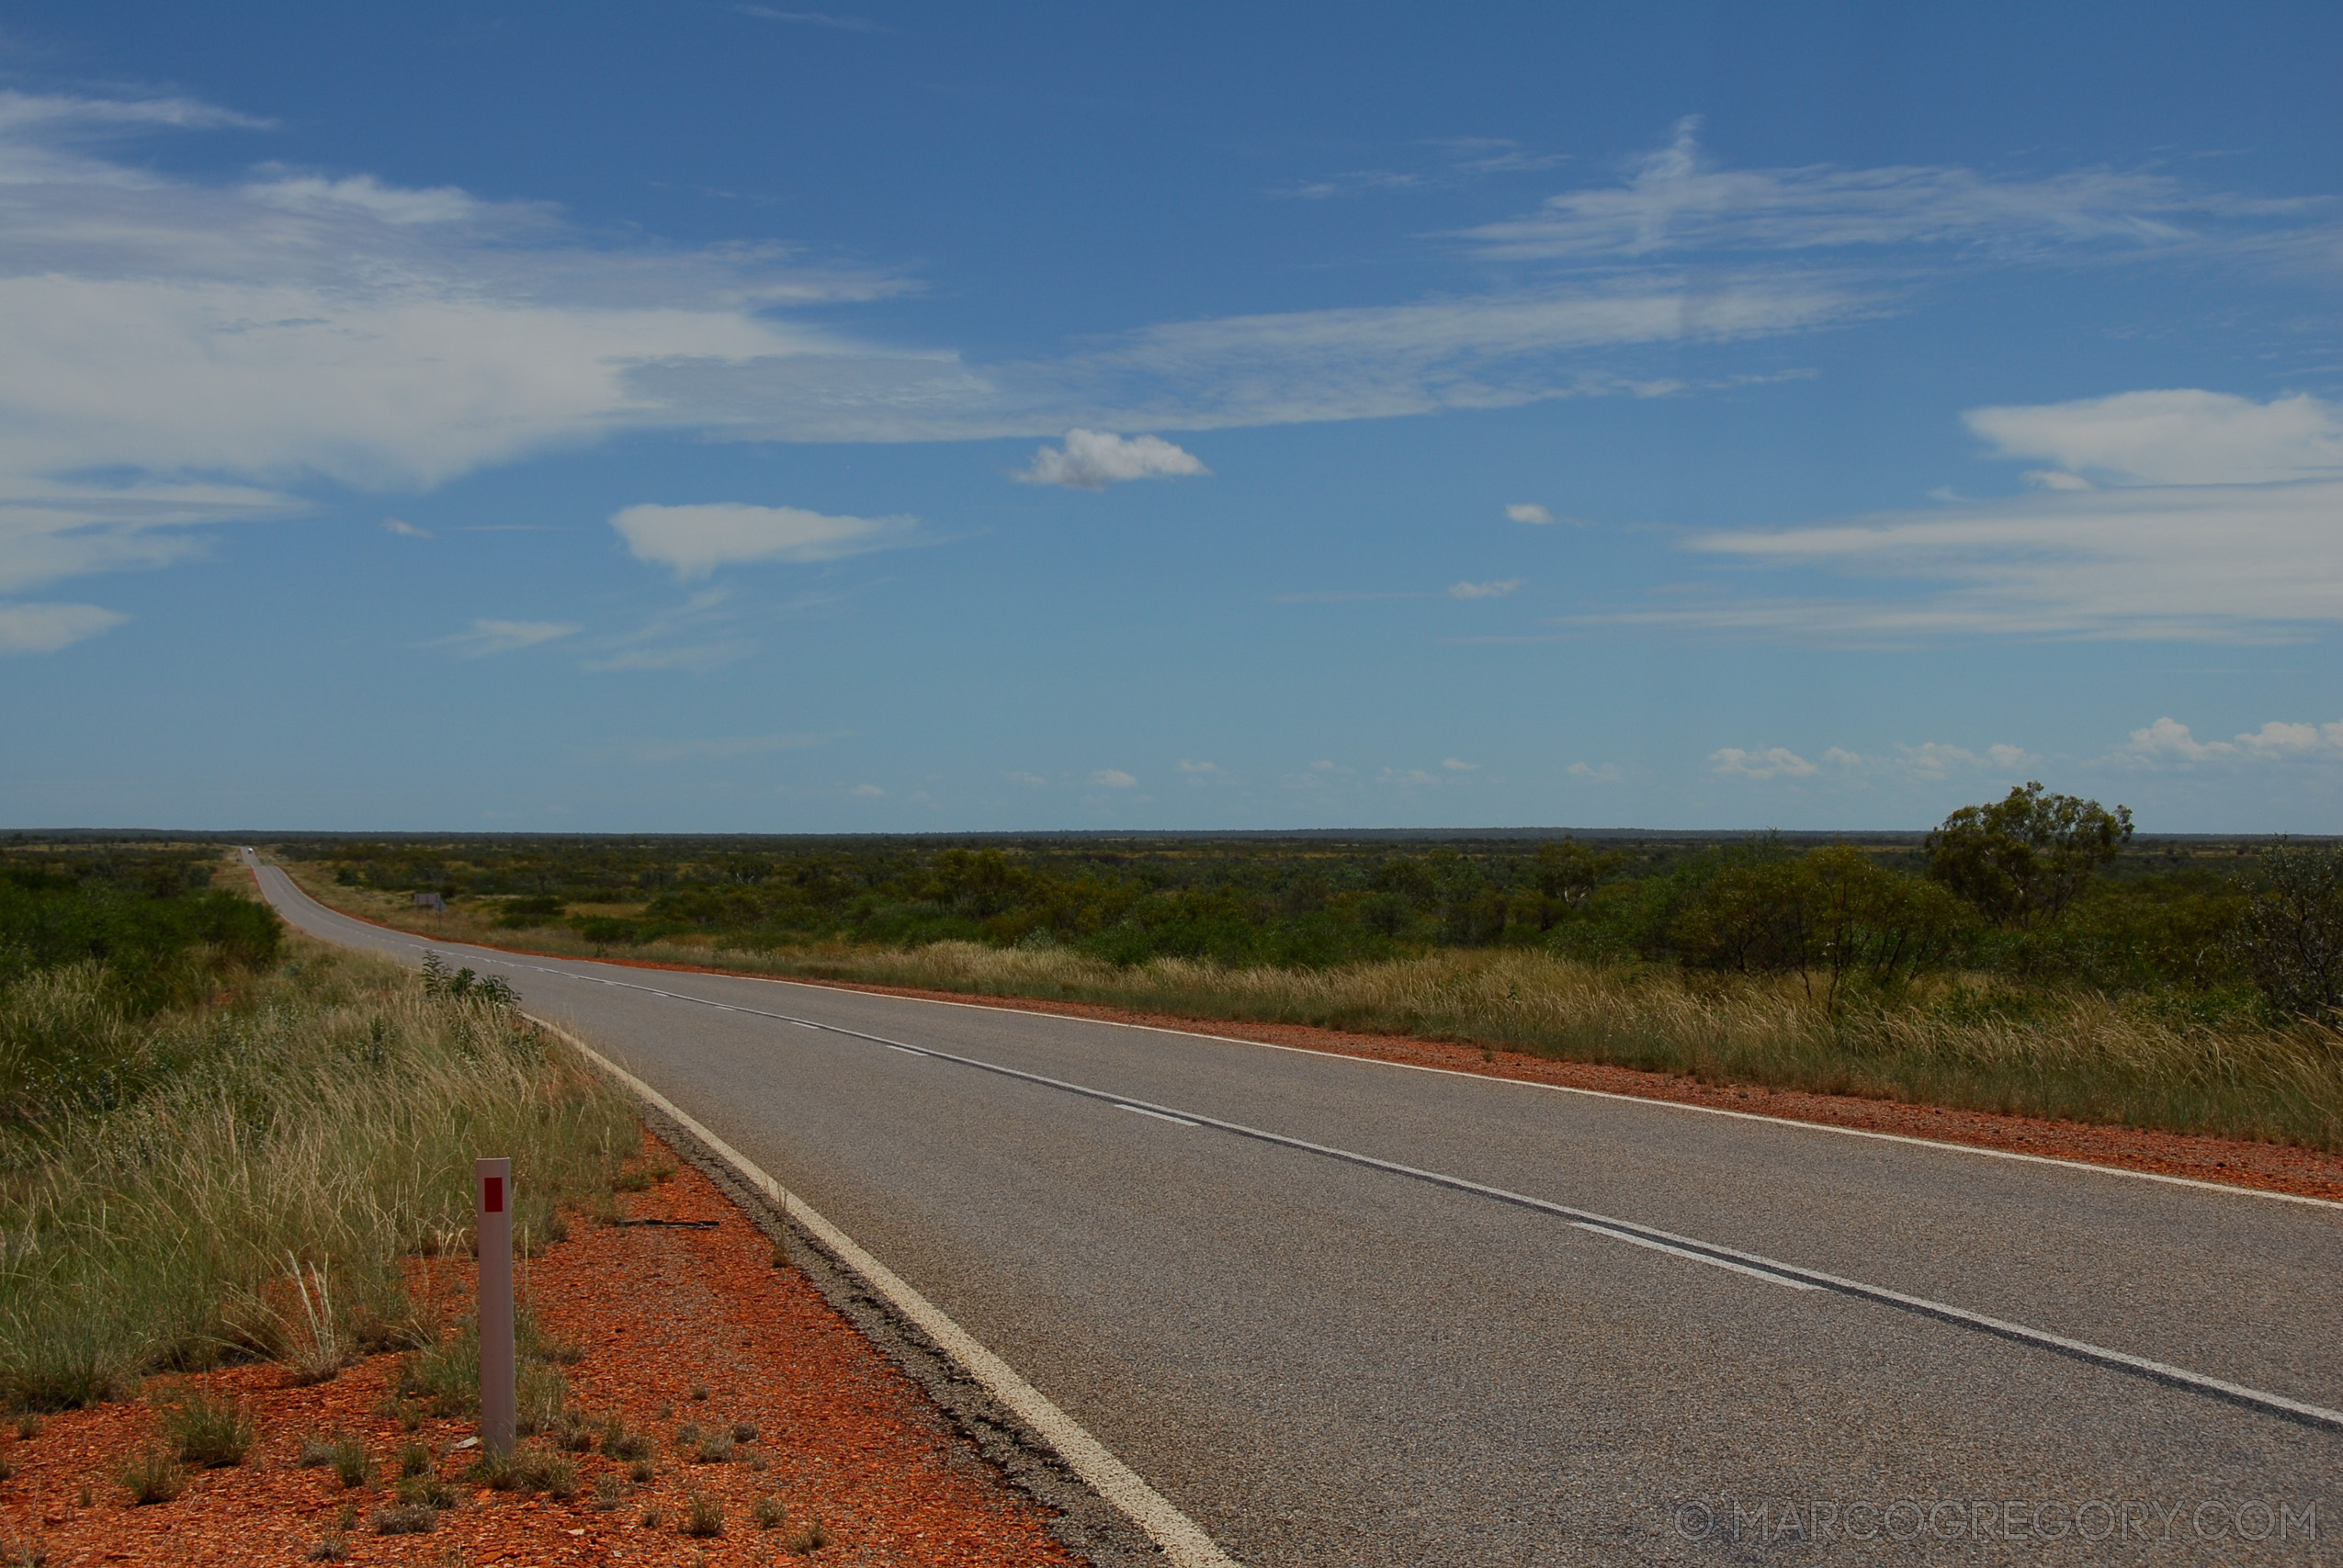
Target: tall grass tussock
[{"x": 243, "y": 1177}]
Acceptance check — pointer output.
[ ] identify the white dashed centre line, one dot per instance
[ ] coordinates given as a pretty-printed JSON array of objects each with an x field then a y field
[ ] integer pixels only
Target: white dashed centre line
[
  {"x": 1781, "y": 1279},
  {"x": 1159, "y": 1116}
]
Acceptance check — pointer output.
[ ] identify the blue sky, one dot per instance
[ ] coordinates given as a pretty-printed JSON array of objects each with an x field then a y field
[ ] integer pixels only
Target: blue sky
[{"x": 734, "y": 417}]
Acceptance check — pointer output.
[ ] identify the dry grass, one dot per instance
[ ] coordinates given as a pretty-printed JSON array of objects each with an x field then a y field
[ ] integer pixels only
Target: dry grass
[
  {"x": 1956, "y": 1042},
  {"x": 259, "y": 1200}
]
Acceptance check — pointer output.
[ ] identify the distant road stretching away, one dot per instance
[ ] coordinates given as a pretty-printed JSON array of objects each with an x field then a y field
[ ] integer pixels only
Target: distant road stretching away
[{"x": 1345, "y": 1312}]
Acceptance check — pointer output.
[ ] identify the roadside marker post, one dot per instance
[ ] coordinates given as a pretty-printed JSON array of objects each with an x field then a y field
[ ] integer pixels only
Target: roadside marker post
[{"x": 493, "y": 1186}]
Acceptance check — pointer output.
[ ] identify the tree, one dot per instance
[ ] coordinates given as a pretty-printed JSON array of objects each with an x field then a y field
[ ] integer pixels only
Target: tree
[
  {"x": 2291, "y": 937},
  {"x": 2022, "y": 859}
]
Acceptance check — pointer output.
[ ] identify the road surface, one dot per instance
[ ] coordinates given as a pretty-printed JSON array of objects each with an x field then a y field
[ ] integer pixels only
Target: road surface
[{"x": 1344, "y": 1313}]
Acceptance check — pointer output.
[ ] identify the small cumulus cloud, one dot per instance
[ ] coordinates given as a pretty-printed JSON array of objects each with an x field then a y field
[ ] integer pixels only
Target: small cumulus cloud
[
  {"x": 1031, "y": 781},
  {"x": 504, "y": 637},
  {"x": 2047, "y": 479},
  {"x": 1112, "y": 778},
  {"x": 1528, "y": 511},
  {"x": 404, "y": 529},
  {"x": 45, "y": 628},
  {"x": 1201, "y": 770},
  {"x": 2167, "y": 740},
  {"x": 1458, "y": 765},
  {"x": 1496, "y": 590},
  {"x": 867, "y": 792},
  {"x": 695, "y": 540},
  {"x": 1775, "y": 762},
  {"x": 1093, "y": 460},
  {"x": 1607, "y": 773}
]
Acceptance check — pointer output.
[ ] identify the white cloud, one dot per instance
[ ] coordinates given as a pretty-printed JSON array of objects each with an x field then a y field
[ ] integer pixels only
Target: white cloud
[
  {"x": 695, "y": 540},
  {"x": 1032, "y": 781},
  {"x": 1608, "y": 773},
  {"x": 811, "y": 19},
  {"x": 1457, "y": 764},
  {"x": 2168, "y": 740},
  {"x": 1930, "y": 759},
  {"x": 2226, "y": 524},
  {"x": 1112, "y": 778},
  {"x": 1676, "y": 201},
  {"x": 365, "y": 194},
  {"x": 686, "y": 637},
  {"x": 1203, "y": 770},
  {"x": 1496, "y": 590},
  {"x": 1528, "y": 511},
  {"x": 2179, "y": 437},
  {"x": 504, "y": 637},
  {"x": 45, "y": 628},
  {"x": 217, "y": 346},
  {"x": 1093, "y": 460},
  {"x": 867, "y": 792},
  {"x": 404, "y": 529},
  {"x": 1779, "y": 762}
]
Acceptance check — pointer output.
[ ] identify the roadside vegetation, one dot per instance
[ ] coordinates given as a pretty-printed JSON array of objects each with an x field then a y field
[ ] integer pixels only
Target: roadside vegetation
[
  {"x": 2029, "y": 955},
  {"x": 219, "y": 1141}
]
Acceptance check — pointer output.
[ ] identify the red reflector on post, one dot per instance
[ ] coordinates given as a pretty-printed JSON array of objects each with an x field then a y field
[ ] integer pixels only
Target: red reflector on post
[{"x": 493, "y": 1198}]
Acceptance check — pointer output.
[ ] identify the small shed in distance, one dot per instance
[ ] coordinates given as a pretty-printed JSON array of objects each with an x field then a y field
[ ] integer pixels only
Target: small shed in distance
[{"x": 431, "y": 901}]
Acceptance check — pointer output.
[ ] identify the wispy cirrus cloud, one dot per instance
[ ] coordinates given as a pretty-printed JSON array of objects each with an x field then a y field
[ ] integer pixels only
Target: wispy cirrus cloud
[
  {"x": 209, "y": 348},
  {"x": 486, "y": 638},
  {"x": 45, "y": 628},
  {"x": 713, "y": 749},
  {"x": 813, "y": 20},
  {"x": 1677, "y": 201}
]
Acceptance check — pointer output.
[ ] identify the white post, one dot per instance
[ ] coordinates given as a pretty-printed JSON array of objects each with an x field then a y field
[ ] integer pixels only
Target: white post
[{"x": 495, "y": 1190}]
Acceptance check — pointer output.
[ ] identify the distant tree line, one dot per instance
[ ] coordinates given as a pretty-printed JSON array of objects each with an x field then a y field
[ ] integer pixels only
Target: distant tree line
[{"x": 2035, "y": 887}]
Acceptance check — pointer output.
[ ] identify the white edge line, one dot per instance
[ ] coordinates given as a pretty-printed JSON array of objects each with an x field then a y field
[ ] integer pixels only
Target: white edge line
[
  {"x": 1182, "y": 1542},
  {"x": 1782, "y": 1280},
  {"x": 1946, "y": 1147}
]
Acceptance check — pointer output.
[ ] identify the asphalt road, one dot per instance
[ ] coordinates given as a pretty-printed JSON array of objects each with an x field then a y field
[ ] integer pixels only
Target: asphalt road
[{"x": 1324, "y": 1361}]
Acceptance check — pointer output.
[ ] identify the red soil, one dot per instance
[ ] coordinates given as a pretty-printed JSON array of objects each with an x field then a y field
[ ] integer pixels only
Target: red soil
[{"x": 843, "y": 1436}]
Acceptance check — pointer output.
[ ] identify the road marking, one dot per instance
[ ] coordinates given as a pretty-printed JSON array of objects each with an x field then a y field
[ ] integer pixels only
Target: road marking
[
  {"x": 1159, "y": 1115},
  {"x": 907, "y": 1049},
  {"x": 1770, "y": 1279},
  {"x": 1941, "y": 1146},
  {"x": 2119, "y": 1361},
  {"x": 1183, "y": 1544},
  {"x": 2080, "y": 1350}
]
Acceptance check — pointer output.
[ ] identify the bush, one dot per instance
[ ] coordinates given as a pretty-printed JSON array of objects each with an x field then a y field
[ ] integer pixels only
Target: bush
[
  {"x": 210, "y": 1433},
  {"x": 154, "y": 1475},
  {"x": 703, "y": 1515},
  {"x": 406, "y": 1518},
  {"x": 2290, "y": 937}
]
